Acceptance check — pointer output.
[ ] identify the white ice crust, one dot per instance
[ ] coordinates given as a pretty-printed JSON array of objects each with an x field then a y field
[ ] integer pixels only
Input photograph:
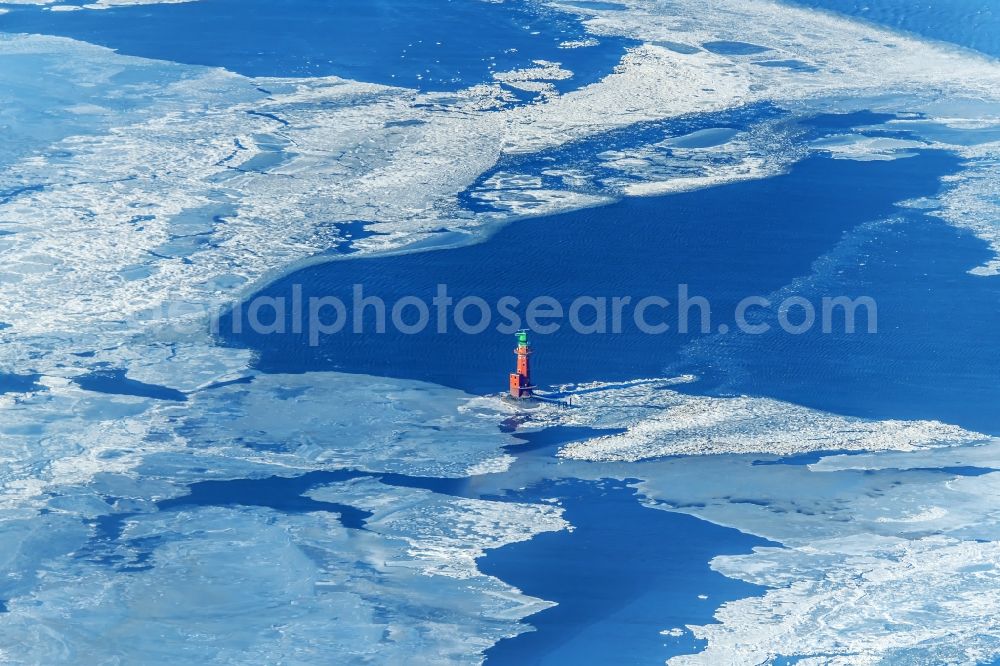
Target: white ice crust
[
  {"x": 658, "y": 421},
  {"x": 889, "y": 568}
]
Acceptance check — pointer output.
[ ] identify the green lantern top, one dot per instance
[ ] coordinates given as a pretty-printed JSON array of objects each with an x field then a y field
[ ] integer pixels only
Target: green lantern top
[{"x": 522, "y": 338}]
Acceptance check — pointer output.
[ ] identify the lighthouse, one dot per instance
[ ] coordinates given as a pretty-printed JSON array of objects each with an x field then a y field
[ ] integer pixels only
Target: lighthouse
[{"x": 520, "y": 381}]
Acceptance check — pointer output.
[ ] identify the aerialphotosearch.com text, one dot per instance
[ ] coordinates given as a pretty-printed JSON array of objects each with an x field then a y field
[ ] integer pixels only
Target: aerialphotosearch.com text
[{"x": 360, "y": 312}]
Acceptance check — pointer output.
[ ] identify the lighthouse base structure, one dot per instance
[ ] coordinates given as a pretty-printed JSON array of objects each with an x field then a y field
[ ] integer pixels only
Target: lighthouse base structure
[{"x": 519, "y": 388}]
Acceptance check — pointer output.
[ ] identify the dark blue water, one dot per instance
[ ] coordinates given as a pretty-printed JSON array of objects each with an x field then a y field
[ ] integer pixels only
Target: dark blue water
[
  {"x": 726, "y": 243},
  {"x": 734, "y": 48},
  {"x": 275, "y": 492},
  {"x": 550, "y": 439},
  {"x": 6, "y": 196},
  {"x": 351, "y": 232},
  {"x": 936, "y": 353},
  {"x": 971, "y": 23},
  {"x": 960, "y": 470},
  {"x": 424, "y": 44},
  {"x": 116, "y": 383},
  {"x": 625, "y": 573},
  {"x": 107, "y": 547},
  {"x": 803, "y": 459},
  {"x": 14, "y": 383}
]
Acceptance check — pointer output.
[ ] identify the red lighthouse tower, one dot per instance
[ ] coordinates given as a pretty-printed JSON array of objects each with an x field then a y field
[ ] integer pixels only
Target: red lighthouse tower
[{"x": 520, "y": 381}]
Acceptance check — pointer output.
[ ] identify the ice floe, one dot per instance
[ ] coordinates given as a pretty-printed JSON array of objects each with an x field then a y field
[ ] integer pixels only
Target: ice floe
[
  {"x": 857, "y": 603},
  {"x": 535, "y": 79},
  {"x": 83, "y": 456},
  {"x": 64, "y": 435},
  {"x": 904, "y": 570},
  {"x": 658, "y": 421},
  {"x": 271, "y": 586}
]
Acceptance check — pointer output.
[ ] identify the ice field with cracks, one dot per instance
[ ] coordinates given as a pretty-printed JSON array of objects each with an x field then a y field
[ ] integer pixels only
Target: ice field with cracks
[{"x": 138, "y": 197}]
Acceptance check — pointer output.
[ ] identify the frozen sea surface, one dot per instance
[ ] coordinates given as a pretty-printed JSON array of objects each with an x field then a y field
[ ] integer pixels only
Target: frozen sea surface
[{"x": 155, "y": 484}]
